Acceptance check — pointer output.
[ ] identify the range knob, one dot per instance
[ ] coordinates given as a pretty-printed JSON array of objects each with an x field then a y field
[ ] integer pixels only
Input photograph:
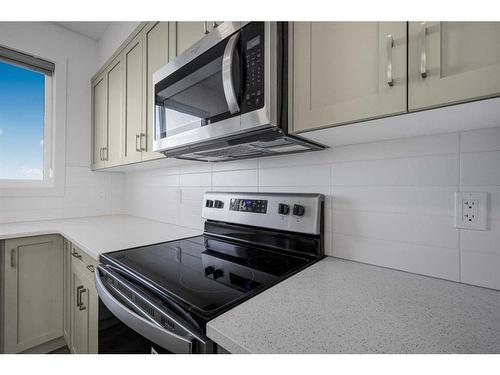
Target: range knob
[
  {"x": 218, "y": 273},
  {"x": 209, "y": 203},
  {"x": 283, "y": 209},
  {"x": 298, "y": 210},
  {"x": 209, "y": 270},
  {"x": 218, "y": 204}
]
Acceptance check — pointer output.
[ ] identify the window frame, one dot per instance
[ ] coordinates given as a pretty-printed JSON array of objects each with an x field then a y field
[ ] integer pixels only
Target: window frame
[{"x": 48, "y": 141}]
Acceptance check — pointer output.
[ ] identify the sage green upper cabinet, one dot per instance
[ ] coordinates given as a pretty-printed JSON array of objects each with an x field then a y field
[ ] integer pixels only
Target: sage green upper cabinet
[
  {"x": 134, "y": 100},
  {"x": 347, "y": 71},
  {"x": 188, "y": 33},
  {"x": 99, "y": 121},
  {"x": 33, "y": 292},
  {"x": 158, "y": 52},
  {"x": 451, "y": 62},
  {"x": 115, "y": 112},
  {"x": 107, "y": 116}
]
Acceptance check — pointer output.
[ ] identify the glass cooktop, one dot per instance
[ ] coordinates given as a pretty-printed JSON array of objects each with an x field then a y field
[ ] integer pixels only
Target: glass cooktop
[{"x": 205, "y": 274}]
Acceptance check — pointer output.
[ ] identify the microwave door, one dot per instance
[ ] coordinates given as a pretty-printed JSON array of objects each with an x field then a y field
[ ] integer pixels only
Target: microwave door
[{"x": 202, "y": 94}]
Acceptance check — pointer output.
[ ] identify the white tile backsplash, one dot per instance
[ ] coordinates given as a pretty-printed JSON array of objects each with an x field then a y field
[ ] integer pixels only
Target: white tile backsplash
[{"x": 389, "y": 203}]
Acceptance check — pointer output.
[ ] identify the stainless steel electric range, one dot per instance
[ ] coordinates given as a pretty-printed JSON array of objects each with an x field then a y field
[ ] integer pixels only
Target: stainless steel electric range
[{"x": 159, "y": 298}]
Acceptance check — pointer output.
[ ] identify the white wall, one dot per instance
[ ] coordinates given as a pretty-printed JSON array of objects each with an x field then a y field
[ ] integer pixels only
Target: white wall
[
  {"x": 85, "y": 193},
  {"x": 390, "y": 203},
  {"x": 113, "y": 37}
]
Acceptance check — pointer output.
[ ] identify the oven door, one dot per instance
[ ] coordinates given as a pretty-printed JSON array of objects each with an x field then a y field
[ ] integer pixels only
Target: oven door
[
  {"x": 198, "y": 95},
  {"x": 137, "y": 322}
]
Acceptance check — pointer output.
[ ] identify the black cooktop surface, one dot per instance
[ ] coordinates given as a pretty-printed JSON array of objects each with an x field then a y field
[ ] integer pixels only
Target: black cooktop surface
[{"x": 205, "y": 274}]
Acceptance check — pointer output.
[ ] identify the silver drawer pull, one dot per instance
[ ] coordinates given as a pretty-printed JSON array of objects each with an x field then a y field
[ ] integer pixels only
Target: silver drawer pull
[
  {"x": 205, "y": 27},
  {"x": 423, "y": 53},
  {"x": 143, "y": 136},
  {"x": 91, "y": 268},
  {"x": 390, "y": 45},
  {"x": 137, "y": 146},
  {"x": 79, "y": 291},
  {"x": 13, "y": 258},
  {"x": 76, "y": 255}
]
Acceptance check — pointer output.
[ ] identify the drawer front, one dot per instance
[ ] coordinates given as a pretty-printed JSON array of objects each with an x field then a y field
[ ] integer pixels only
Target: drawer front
[{"x": 80, "y": 257}]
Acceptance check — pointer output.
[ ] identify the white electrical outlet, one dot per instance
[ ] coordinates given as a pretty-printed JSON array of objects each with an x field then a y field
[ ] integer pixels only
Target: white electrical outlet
[{"x": 471, "y": 210}]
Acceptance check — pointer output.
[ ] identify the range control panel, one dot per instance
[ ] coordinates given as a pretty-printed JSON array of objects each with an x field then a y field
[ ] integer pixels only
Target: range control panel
[
  {"x": 248, "y": 205},
  {"x": 283, "y": 211}
]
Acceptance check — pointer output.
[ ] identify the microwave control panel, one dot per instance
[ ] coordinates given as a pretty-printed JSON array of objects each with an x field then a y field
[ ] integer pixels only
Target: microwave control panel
[{"x": 253, "y": 66}]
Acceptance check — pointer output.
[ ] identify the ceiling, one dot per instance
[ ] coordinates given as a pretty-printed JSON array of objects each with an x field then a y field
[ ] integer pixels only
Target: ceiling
[{"x": 93, "y": 30}]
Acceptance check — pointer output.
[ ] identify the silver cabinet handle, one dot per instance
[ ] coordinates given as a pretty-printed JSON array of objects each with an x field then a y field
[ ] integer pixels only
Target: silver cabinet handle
[
  {"x": 137, "y": 146},
  {"x": 13, "y": 258},
  {"x": 91, "y": 268},
  {"x": 214, "y": 24},
  {"x": 390, "y": 45},
  {"x": 143, "y": 136},
  {"x": 227, "y": 75},
  {"x": 76, "y": 255},
  {"x": 79, "y": 302},
  {"x": 82, "y": 305},
  {"x": 423, "y": 53},
  {"x": 100, "y": 154},
  {"x": 205, "y": 27},
  {"x": 106, "y": 157}
]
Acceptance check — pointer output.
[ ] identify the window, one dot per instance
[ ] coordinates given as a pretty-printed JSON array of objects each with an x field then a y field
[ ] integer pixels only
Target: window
[{"x": 25, "y": 118}]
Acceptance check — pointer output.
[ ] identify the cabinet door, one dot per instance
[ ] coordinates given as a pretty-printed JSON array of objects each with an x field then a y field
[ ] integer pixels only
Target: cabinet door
[
  {"x": 67, "y": 291},
  {"x": 99, "y": 121},
  {"x": 134, "y": 102},
  {"x": 156, "y": 42},
  {"x": 33, "y": 305},
  {"x": 115, "y": 112},
  {"x": 347, "y": 71},
  {"x": 80, "y": 321},
  {"x": 84, "y": 309},
  {"x": 451, "y": 62},
  {"x": 188, "y": 33}
]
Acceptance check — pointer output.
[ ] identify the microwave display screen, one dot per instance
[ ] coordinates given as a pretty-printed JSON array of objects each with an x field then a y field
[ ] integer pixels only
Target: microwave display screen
[{"x": 253, "y": 42}]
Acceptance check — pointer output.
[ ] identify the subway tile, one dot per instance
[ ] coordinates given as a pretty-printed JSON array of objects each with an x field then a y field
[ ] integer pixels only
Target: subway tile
[
  {"x": 425, "y": 260},
  {"x": 235, "y": 178},
  {"x": 313, "y": 175},
  {"x": 480, "y": 140},
  {"x": 195, "y": 179},
  {"x": 441, "y": 170},
  {"x": 480, "y": 240},
  {"x": 30, "y": 203},
  {"x": 193, "y": 194},
  {"x": 411, "y": 229},
  {"x": 421, "y": 200},
  {"x": 480, "y": 168},
  {"x": 31, "y": 215},
  {"x": 235, "y": 165},
  {"x": 291, "y": 160},
  {"x": 398, "y": 148},
  {"x": 480, "y": 269}
]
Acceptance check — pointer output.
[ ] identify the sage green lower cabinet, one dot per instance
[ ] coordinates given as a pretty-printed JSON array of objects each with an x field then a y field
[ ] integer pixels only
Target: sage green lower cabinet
[
  {"x": 33, "y": 273},
  {"x": 83, "y": 304}
]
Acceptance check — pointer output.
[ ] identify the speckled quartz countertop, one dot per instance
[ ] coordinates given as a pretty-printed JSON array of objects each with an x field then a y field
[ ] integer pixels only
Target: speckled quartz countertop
[
  {"x": 101, "y": 234},
  {"x": 338, "y": 306}
]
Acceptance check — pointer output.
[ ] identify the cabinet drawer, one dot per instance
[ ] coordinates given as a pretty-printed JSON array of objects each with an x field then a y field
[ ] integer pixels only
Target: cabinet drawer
[{"x": 80, "y": 257}]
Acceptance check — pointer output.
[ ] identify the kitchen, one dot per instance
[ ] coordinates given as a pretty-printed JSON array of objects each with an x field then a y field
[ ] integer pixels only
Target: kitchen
[{"x": 250, "y": 187}]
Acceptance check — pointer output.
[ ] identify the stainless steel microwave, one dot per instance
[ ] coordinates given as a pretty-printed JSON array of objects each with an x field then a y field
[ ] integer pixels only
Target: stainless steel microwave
[{"x": 226, "y": 97}]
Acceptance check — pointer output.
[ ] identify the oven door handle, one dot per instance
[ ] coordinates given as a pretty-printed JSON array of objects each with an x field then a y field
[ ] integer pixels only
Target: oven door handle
[
  {"x": 227, "y": 75},
  {"x": 146, "y": 327}
]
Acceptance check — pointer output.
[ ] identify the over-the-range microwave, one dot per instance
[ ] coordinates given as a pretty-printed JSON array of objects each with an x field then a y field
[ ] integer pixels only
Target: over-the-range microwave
[{"x": 226, "y": 97}]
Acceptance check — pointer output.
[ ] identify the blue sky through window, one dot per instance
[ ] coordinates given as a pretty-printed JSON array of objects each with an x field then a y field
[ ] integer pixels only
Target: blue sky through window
[{"x": 22, "y": 106}]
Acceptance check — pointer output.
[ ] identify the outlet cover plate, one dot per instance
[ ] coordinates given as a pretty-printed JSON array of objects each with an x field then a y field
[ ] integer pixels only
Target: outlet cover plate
[{"x": 471, "y": 210}]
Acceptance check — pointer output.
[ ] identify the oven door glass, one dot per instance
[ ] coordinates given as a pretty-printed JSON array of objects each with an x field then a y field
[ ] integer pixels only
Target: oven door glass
[{"x": 204, "y": 91}]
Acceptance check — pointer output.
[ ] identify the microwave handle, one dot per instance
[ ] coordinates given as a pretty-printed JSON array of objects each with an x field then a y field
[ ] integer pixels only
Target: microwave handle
[{"x": 227, "y": 75}]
